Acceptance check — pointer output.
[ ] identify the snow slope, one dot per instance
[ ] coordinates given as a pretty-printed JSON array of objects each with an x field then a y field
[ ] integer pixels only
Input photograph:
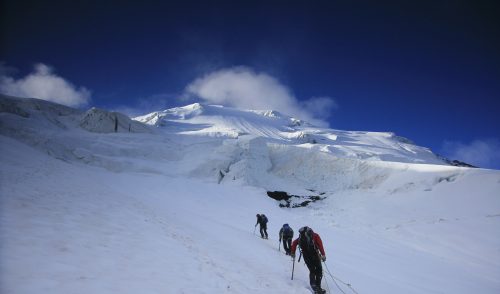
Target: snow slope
[{"x": 172, "y": 209}]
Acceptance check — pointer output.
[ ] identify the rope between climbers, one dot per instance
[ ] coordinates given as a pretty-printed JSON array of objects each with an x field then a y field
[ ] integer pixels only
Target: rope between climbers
[{"x": 337, "y": 279}]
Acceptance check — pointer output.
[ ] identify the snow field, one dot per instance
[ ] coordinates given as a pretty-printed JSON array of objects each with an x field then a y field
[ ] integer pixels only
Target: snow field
[
  {"x": 172, "y": 210},
  {"x": 101, "y": 232},
  {"x": 71, "y": 228}
]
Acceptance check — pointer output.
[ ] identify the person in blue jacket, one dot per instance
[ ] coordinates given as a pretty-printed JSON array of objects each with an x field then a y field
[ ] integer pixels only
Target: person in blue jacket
[{"x": 286, "y": 234}]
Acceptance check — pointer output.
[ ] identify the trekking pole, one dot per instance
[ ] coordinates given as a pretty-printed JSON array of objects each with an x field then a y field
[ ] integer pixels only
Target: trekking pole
[
  {"x": 254, "y": 228},
  {"x": 279, "y": 245},
  {"x": 293, "y": 266}
]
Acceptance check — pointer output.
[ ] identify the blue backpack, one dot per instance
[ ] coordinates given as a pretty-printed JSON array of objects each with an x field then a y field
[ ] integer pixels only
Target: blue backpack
[{"x": 287, "y": 231}]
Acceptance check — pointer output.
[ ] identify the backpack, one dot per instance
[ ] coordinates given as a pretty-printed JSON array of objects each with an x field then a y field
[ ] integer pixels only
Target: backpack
[
  {"x": 263, "y": 218},
  {"x": 287, "y": 231},
  {"x": 306, "y": 241}
]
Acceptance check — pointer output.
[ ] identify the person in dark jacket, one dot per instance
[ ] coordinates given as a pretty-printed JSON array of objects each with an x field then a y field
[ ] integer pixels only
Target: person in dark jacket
[
  {"x": 286, "y": 234},
  {"x": 262, "y": 221},
  {"x": 312, "y": 249}
]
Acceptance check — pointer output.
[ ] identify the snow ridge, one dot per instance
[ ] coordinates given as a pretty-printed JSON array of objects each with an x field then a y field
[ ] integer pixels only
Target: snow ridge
[{"x": 212, "y": 120}]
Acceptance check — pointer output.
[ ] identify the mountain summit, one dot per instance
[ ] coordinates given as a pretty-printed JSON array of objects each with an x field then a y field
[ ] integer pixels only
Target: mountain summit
[
  {"x": 225, "y": 122},
  {"x": 263, "y": 148}
]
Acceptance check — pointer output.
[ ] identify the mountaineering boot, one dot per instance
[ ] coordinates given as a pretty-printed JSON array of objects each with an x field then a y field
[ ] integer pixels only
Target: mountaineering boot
[{"x": 317, "y": 290}]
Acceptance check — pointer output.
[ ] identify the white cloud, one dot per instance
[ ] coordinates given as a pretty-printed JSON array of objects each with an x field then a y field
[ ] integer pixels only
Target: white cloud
[
  {"x": 242, "y": 87},
  {"x": 42, "y": 83},
  {"x": 482, "y": 153},
  {"x": 320, "y": 106}
]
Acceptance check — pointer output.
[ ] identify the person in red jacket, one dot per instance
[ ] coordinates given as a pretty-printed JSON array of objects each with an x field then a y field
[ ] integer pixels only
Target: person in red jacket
[{"x": 312, "y": 249}]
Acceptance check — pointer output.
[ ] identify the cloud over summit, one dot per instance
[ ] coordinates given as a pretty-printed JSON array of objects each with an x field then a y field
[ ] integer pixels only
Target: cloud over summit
[
  {"x": 44, "y": 84},
  {"x": 241, "y": 87},
  {"x": 483, "y": 153}
]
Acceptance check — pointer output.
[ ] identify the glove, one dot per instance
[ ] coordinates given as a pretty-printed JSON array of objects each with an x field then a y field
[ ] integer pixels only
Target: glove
[
  {"x": 280, "y": 240},
  {"x": 323, "y": 257},
  {"x": 292, "y": 255}
]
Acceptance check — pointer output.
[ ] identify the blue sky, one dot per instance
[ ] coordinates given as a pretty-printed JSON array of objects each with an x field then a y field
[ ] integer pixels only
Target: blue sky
[{"x": 428, "y": 70}]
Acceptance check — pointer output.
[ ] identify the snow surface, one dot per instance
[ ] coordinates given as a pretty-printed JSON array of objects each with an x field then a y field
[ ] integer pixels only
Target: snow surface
[{"x": 172, "y": 209}]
